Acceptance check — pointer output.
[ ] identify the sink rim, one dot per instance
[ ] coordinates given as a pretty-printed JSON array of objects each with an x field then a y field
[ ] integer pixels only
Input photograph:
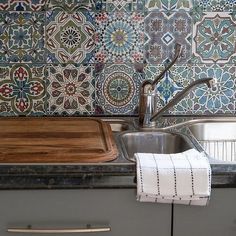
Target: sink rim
[
  {"x": 113, "y": 122},
  {"x": 195, "y": 120}
]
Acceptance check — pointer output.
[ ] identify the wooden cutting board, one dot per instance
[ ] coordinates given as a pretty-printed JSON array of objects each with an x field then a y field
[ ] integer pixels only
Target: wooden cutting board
[{"x": 55, "y": 140}]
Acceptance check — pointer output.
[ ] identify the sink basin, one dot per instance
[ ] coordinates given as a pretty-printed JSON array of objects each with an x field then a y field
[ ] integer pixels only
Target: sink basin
[
  {"x": 153, "y": 142},
  {"x": 217, "y": 137}
]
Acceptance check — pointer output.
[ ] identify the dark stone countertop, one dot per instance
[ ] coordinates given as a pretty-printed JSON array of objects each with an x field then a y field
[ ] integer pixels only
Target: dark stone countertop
[
  {"x": 117, "y": 174},
  {"x": 90, "y": 176}
]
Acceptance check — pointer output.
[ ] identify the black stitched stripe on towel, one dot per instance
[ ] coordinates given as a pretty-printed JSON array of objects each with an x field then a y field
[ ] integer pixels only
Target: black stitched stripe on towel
[{"x": 157, "y": 174}]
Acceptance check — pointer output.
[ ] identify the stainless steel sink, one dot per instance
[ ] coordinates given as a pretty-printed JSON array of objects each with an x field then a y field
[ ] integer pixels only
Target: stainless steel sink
[
  {"x": 153, "y": 142},
  {"x": 217, "y": 137}
]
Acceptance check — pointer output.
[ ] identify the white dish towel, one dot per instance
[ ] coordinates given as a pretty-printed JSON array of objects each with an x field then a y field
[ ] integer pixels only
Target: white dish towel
[{"x": 182, "y": 178}]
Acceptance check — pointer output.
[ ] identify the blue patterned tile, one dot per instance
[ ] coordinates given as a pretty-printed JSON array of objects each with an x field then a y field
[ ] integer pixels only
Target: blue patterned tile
[
  {"x": 70, "y": 37},
  {"x": 70, "y": 89},
  {"x": 163, "y": 32},
  {"x": 119, "y": 37},
  {"x": 127, "y": 41},
  {"x": 117, "y": 90},
  {"x": 74, "y": 5},
  {"x": 23, "y": 5},
  {"x": 168, "y": 5},
  {"x": 22, "y": 90},
  {"x": 214, "y": 38},
  {"x": 174, "y": 81},
  {"x": 215, "y": 5},
  {"x": 22, "y": 37},
  {"x": 123, "y": 5},
  {"x": 219, "y": 99}
]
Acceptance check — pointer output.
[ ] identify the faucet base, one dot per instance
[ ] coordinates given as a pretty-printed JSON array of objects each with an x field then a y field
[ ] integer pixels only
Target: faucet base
[{"x": 144, "y": 121}]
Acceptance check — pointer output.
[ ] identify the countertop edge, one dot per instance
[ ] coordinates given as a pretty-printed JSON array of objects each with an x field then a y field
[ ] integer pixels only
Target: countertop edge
[{"x": 90, "y": 176}]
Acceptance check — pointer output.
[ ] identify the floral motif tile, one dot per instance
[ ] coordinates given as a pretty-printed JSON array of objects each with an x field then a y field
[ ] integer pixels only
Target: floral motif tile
[
  {"x": 22, "y": 90},
  {"x": 117, "y": 90},
  {"x": 168, "y": 5},
  {"x": 127, "y": 42},
  {"x": 125, "y": 5},
  {"x": 214, "y": 38},
  {"x": 219, "y": 99},
  {"x": 22, "y": 5},
  {"x": 70, "y": 36},
  {"x": 70, "y": 89},
  {"x": 174, "y": 81},
  {"x": 163, "y": 32},
  {"x": 119, "y": 37},
  {"x": 22, "y": 37},
  {"x": 74, "y": 5},
  {"x": 215, "y": 5}
]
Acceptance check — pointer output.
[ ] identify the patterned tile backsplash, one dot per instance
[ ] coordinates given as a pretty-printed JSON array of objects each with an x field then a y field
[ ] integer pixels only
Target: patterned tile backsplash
[{"x": 90, "y": 57}]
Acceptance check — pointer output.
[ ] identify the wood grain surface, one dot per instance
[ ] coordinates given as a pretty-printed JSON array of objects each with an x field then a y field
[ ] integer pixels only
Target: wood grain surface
[{"x": 55, "y": 140}]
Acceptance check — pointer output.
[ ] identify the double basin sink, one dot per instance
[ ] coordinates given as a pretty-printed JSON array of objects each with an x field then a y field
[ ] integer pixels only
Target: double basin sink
[{"x": 215, "y": 136}]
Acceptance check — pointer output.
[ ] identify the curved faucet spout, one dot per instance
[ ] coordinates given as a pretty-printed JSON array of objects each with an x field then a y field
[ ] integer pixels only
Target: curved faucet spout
[{"x": 210, "y": 82}]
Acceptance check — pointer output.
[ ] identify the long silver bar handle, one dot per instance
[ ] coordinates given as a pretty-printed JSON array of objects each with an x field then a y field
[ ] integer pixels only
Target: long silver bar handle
[{"x": 57, "y": 231}]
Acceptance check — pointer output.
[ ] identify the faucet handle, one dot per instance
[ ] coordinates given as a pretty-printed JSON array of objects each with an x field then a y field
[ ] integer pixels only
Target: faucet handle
[
  {"x": 177, "y": 50},
  {"x": 176, "y": 56}
]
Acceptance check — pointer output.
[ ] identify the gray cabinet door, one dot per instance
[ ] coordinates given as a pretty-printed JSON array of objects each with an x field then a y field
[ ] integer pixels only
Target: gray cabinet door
[
  {"x": 216, "y": 219},
  {"x": 115, "y": 208}
]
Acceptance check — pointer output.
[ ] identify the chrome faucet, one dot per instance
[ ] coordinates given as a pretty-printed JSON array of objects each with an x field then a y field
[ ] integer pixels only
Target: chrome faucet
[{"x": 148, "y": 112}]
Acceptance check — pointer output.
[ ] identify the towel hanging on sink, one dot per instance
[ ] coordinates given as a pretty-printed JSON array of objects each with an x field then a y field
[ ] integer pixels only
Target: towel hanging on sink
[{"x": 180, "y": 178}]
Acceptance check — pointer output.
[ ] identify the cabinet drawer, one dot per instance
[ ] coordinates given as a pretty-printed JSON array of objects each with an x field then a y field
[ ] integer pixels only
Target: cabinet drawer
[{"x": 71, "y": 209}]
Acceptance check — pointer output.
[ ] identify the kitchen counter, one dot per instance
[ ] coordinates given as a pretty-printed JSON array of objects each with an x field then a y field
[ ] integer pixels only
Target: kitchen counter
[{"x": 116, "y": 174}]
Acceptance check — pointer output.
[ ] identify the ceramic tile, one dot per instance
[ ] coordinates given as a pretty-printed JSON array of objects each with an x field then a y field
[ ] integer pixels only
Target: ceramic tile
[
  {"x": 22, "y": 5},
  {"x": 22, "y": 90},
  {"x": 214, "y": 38},
  {"x": 120, "y": 37},
  {"x": 177, "y": 78},
  {"x": 22, "y": 37},
  {"x": 215, "y": 5},
  {"x": 163, "y": 32},
  {"x": 219, "y": 99},
  {"x": 70, "y": 37},
  {"x": 117, "y": 90},
  {"x": 70, "y": 89},
  {"x": 127, "y": 42},
  {"x": 124, "y": 5},
  {"x": 168, "y": 5},
  {"x": 74, "y": 5}
]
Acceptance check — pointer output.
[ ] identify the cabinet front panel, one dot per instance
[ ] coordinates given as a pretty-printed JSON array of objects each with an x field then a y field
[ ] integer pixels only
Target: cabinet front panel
[
  {"x": 216, "y": 219},
  {"x": 80, "y": 209}
]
